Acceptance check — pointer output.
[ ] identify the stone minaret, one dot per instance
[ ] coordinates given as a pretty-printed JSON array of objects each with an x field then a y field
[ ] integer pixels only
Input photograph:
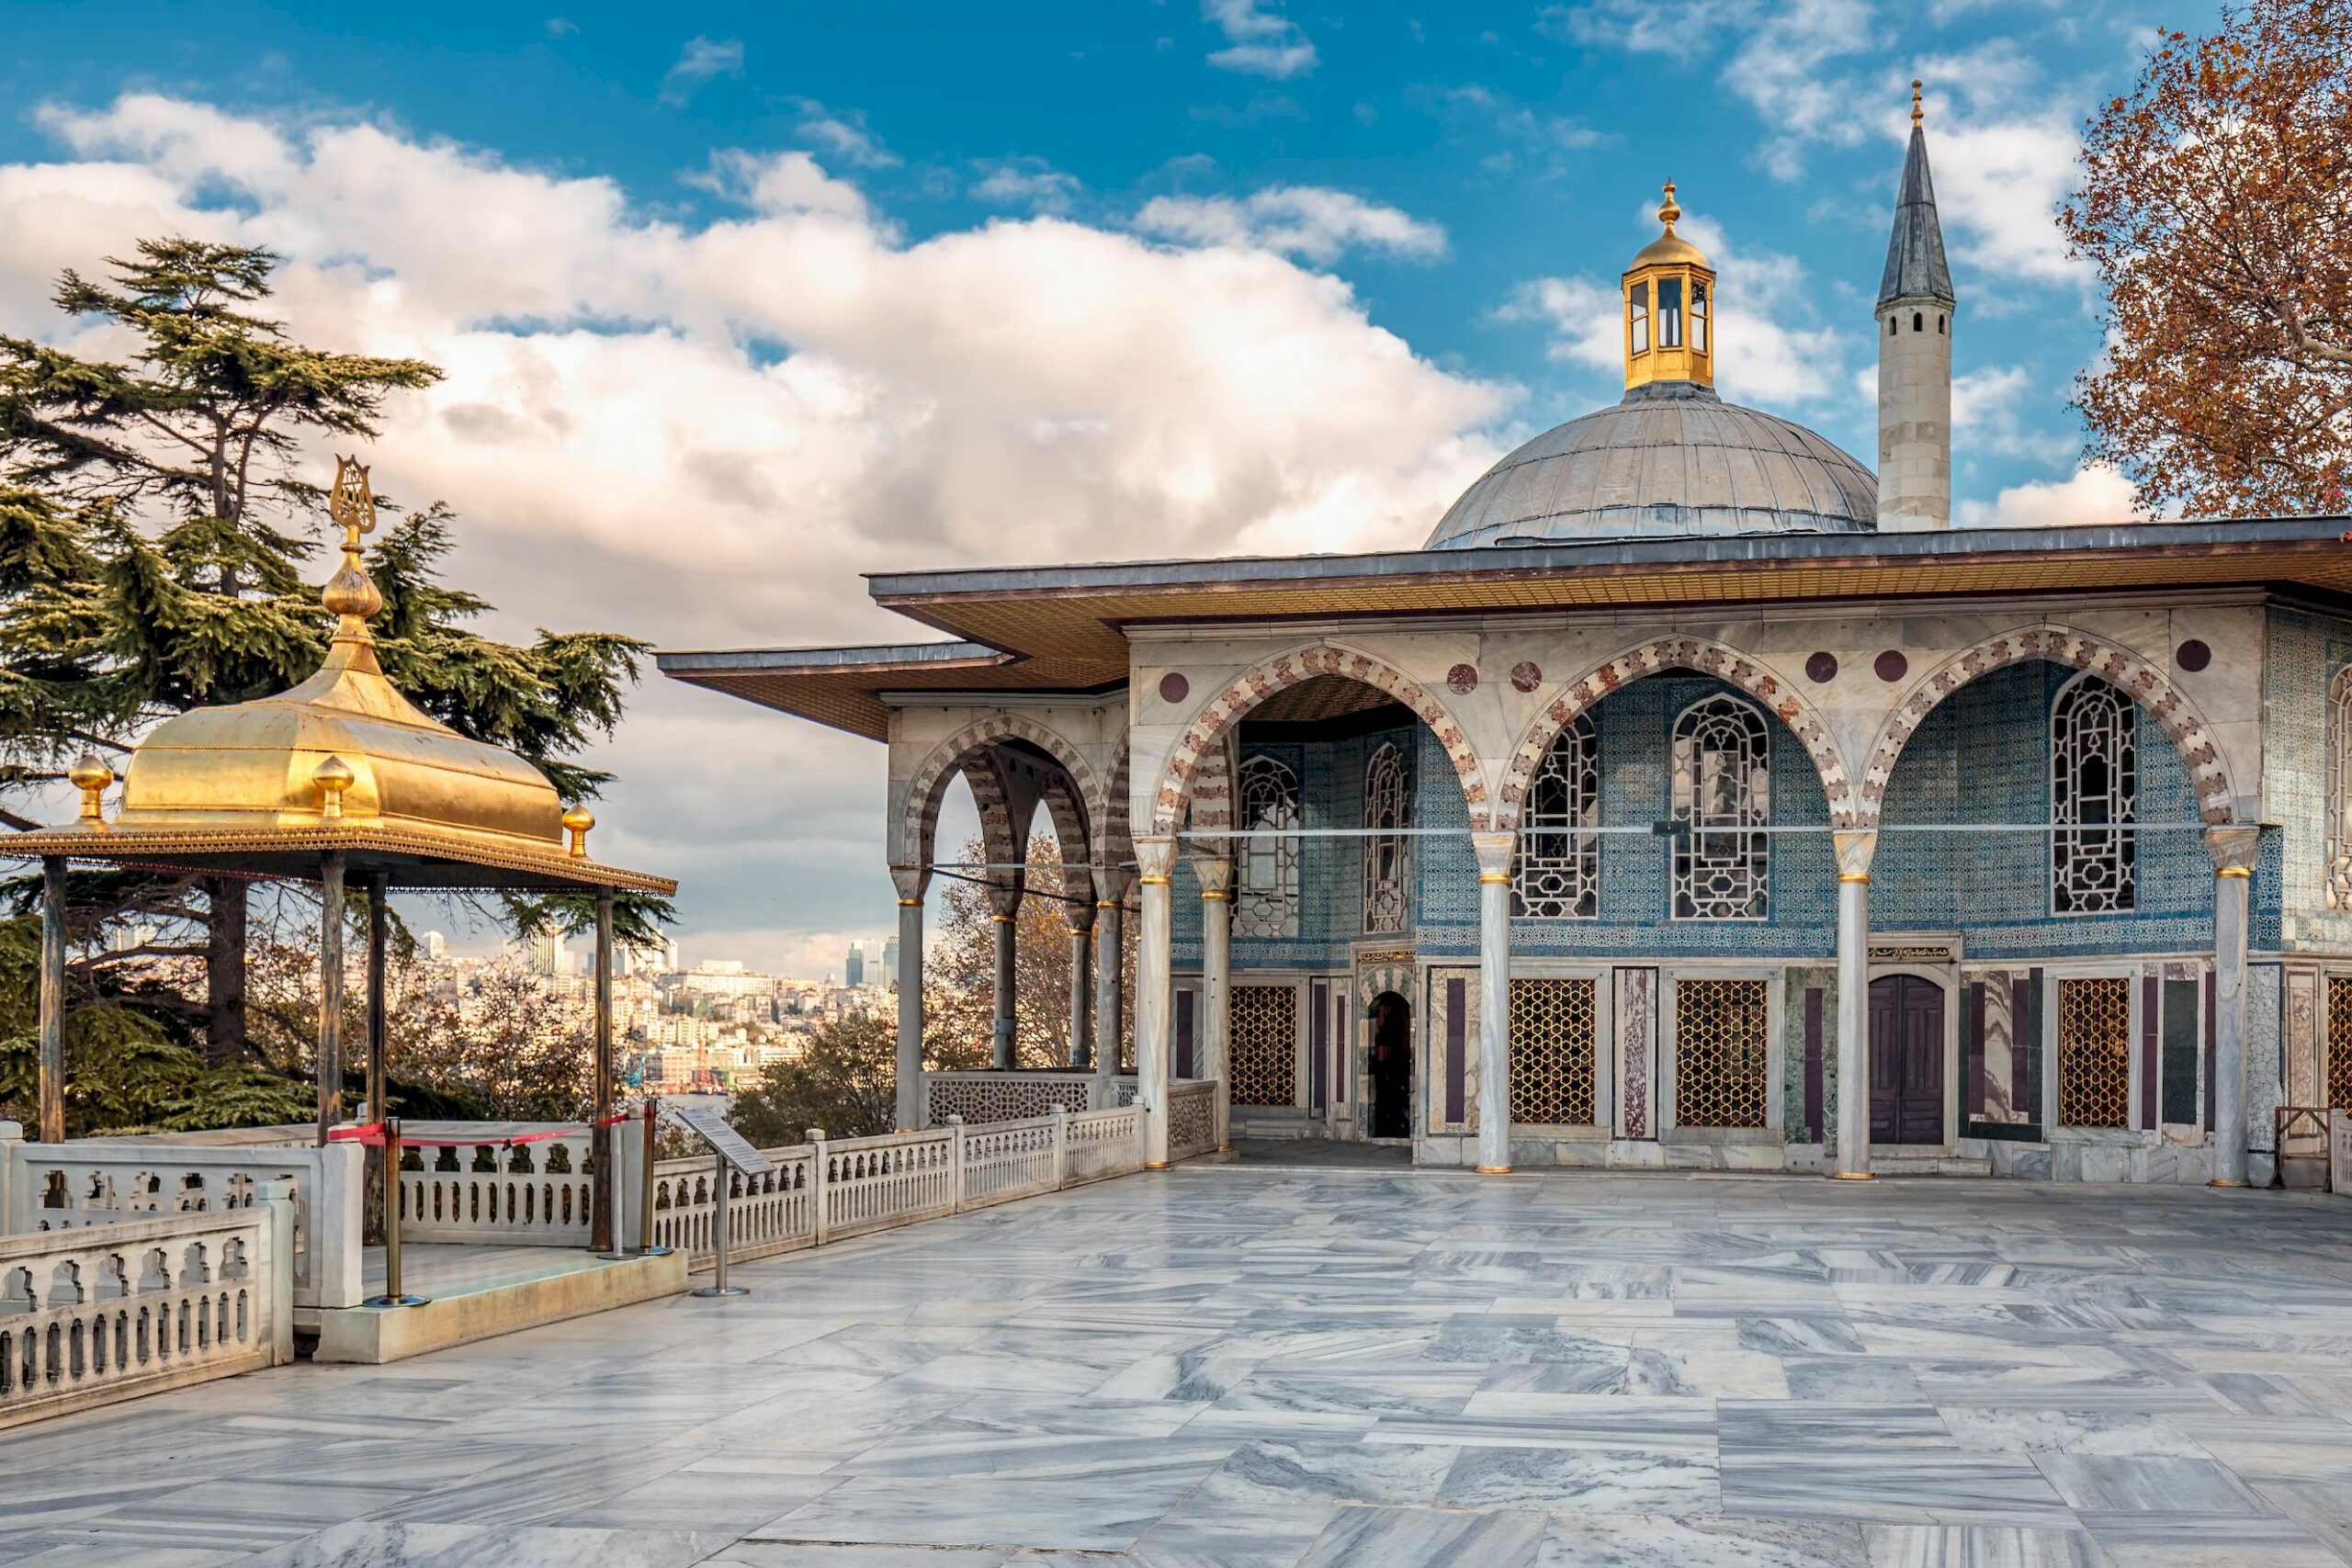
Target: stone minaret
[{"x": 1915, "y": 317}]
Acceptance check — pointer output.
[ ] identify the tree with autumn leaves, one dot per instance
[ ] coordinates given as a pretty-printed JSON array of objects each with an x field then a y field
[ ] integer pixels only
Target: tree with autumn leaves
[{"x": 2216, "y": 206}]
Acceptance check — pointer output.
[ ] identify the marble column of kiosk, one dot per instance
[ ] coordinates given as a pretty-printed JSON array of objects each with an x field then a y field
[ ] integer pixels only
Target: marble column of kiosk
[
  {"x": 1494, "y": 852},
  {"x": 1004, "y": 902},
  {"x": 913, "y": 1113},
  {"x": 1214, "y": 1060},
  {"x": 2233, "y": 850},
  {"x": 1155, "y": 859},
  {"x": 1854, "y": 851},
  {"x": 1110, "y": 980},
  {"x": 1080, "y": 911}
]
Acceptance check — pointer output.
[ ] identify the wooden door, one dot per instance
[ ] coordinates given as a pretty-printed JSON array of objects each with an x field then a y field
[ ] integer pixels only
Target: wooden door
[{"x": 1907, "y": 1061}]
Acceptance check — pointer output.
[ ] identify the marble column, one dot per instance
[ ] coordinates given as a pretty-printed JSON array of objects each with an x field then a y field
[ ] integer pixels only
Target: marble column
[
  {"x": 51, "y": 1024},
  {"x": 1214, "y": 1038},
  {"x": 913, "y": 1113},
  {"x": 1155, "y": 859},
  {"x": 1005, "y": 902},
  {"x": 1110, "y": 979},
  {"x": 1080, "y": 911},
  {"x": 330, "y": 1062},
  {"x": 1854, "y": 853},
  {"x": 1493, "y": 853},
  {"x": 601, "y": 1138},
  {"x": 2233, "y": 850}
]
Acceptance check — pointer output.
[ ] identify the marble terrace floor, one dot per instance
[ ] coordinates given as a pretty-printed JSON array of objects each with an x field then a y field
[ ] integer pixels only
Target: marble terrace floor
[{"x": 1227, "y": 1365}]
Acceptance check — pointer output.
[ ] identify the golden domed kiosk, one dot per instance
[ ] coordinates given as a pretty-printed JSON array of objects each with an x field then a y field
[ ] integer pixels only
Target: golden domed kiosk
[{"x": 340, "y": 778}]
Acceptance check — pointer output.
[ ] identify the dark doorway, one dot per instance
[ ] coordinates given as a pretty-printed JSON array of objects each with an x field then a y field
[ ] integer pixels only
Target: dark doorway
[
  {"x": 1907, "y": 1060},
  {"x": 1391, "y": 1038}
]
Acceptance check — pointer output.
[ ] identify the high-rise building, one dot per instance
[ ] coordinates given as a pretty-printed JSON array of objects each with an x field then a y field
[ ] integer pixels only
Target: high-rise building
[
  {"x": 436, "y": 946},
  {"x": 546, "y": 953},
  {"x": 854, "y": 966},
  {"x": 890, "y": 963}
]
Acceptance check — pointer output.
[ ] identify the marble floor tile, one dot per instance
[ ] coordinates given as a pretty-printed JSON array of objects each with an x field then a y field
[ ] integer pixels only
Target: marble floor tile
[
  {"x": 1307, "y": 1470},
  {"x": 2148, "y": 1485},
  {"x": 2208, "y": 1540},
  {"x": 1578, "y": 1541},
  {"x": 1426, "y": 1538},
  {"x": 1106, "y": 1512},
  {"x": 1983, "y": 1546},
  {"x": 1596, "y": 1481}
]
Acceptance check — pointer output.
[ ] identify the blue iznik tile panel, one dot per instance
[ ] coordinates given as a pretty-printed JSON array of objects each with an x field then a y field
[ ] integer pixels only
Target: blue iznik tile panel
[
  {"x": 1635, "y": 728},
  {"x": 2290, "y": 882},
  {"x": 1330, "y": 775},
  {"x": 1983, "y": 756}
]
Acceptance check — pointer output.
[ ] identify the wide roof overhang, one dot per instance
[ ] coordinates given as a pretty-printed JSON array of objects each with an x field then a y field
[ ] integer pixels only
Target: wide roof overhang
[
  {"x": 1064, "y": 629},
  {"x": 406, "y": 858}
]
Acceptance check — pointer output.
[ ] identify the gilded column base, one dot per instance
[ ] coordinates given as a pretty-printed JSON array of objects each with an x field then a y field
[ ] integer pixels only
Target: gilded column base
[
  {"x": 1494, "y": 1170},
  {"x": 2217, "y": 1181},
  {"x": 1851, "y": 1175},
  {"x": 1155, "y": 1165}
]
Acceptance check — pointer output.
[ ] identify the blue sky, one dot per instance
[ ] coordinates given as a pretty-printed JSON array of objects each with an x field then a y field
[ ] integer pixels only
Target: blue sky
[{"x": 742, "y": 300}]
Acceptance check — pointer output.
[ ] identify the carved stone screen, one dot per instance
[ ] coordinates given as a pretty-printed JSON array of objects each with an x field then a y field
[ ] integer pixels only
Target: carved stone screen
[
  {"x": 1722, "y": 1053},
  {"x": 1265, "y": 1045},
  {"x": 2339, "y": 1042},
  {"x": 1552, "y": 1037},
  {"x": 2095, "y": 1052},
  {"x": 1559, "y": 868}
]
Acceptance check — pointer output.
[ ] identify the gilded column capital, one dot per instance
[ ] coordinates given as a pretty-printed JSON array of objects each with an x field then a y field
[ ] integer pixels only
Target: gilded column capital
[
  {"x": 1155, "y": 860},
  {"x": 1215, "y": 870},
  {"x": 910, "y": 881},
  {"x": 1494, "y": 852},
  {"x": 2233, "y": 848},
  {"x": 1855, "y": 851}
]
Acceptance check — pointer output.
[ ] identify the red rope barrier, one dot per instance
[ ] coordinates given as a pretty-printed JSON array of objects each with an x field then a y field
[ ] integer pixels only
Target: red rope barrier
[{"x": 373, "y": 1134}]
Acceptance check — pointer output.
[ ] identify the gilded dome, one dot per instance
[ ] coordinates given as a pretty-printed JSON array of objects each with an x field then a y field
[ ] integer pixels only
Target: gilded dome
[{"x": 1673, "y": 459}]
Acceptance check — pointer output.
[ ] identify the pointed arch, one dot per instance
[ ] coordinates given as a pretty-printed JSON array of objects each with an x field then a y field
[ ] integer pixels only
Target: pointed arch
[
  {"x": 1109, "y": 810},
  {"x": 1211, "y": 723},
  {"x": 928, "y": 788},
  {"x": 1070, "y": 816},
  {"x": 1745, "y": 671},
  {"x": 2127, "y": 671}
]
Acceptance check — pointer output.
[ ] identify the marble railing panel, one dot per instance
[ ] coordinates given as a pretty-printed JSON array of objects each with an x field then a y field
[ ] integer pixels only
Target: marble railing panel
[
  {"x": 94, "y": 1312},
  {"x": 518, "y": 1194},
  {"x": 1102, "y": 1144},
  {"x": 1011, "y": 1159},
  {"x": 89, "y": 1182},
  {"x": 1191, "y": 1120}
]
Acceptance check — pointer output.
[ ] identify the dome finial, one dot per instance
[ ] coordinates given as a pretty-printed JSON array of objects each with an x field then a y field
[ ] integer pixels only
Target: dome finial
[
  {"x": 1918, "y": 114},
  {"x": 1668, "y": 212},
  {"x": 349, "y": 593}
]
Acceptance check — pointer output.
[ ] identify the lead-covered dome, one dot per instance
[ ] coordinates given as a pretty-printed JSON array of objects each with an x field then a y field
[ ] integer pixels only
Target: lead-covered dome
[{"x": 1672, "y": 459}]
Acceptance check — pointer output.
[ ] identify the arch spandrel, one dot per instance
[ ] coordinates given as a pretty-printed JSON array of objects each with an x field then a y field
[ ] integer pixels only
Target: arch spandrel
[
  {"x": 2131, "y": 673},
  {"x": 1213, "y": 722},
  {"x": 1743, "y": 671}
]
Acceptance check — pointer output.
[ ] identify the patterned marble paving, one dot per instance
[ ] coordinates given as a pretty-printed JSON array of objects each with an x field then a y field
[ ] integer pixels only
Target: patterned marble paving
[{"x": 1295, "y": 1368}]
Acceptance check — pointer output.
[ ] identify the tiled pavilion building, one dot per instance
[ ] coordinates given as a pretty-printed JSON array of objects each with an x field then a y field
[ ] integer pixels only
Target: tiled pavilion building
[{"x": 1692, "y": 798}]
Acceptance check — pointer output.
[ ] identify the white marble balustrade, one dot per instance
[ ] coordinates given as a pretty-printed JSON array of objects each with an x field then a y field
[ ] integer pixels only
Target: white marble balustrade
[
  {"x": 839, "y": 1188},
  {"x": 534, "y": 1194},
  {"x": 96, "y": 1312},
  {"x": 90, "y": 1181},
  {"x": 997, "y": 1095},
  {"x": 1191, "y": 1120}
]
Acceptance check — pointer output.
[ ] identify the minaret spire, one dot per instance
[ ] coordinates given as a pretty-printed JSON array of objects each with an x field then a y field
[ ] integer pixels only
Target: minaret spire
[{"x": 1916, "y": 308}]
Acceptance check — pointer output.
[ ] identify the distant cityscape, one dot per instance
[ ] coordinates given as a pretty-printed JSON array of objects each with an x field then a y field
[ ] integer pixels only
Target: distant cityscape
[{"x": 707, "y": 1029}]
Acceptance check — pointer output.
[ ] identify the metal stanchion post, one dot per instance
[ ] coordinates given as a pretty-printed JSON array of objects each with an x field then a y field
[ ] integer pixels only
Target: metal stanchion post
[
  {"x": 644, "y": 1247},
  {"x": 394, "y": 1295},
  {"x": 719, "y": 1287}
]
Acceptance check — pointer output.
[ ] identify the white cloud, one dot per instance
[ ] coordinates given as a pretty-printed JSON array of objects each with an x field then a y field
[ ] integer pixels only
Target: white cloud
[
  {"x": 843, "y": 134},
  {"x": 1770, "y": 350},
  {"x": 1025, "y": 181},
  {"x": 1259, "y": 42},
  {"x": 1989, "y": 415},
  {"x": 702, "y": 433},
  {"x": 779, "y": 183},
  {"x": 701, "y": 59},
  {"x": 2093, "y": 494},
  {"x": 1312, "y": 221}
]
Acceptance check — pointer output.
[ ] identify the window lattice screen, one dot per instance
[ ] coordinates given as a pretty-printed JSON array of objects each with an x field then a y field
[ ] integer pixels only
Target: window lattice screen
[
  {"x": 2095, "y": 1052},
  {"x": 2339, "y": 1042},
  {"x": 1551, "y": 1030},
  {"x": 1264, "y": 1061},
  {"x": 1722, "y": 1053}
]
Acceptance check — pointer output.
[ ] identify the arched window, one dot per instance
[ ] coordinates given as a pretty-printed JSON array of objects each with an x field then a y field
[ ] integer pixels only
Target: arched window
[
  {"x": 2339, "y": 791},
  {"x": 1388, "y": 855},
  {"x": 1939, "y": 323},
  {"x": 1559, "y": 858},
  {"x": 1891, "y": 328},
  {"x": 1669, "y": 312},
  {"x": 2094, "y": 794},
  {"x": 1918, "y": 322},
  {"x": 1265, "y": 901},
  {"x": 1723, "y": 791},
  {"x": 1638, "y": 317},
  {"x": 1699, "y": 317}
]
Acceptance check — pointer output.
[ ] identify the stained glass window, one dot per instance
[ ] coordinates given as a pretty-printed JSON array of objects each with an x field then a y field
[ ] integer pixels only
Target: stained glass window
[
  {"x": 1722, "y": 792},
  {"x": 2094, "y": 790},
  {"x": 1559, "y": 866},
  {"x": 1387, "y": 853},
  {"x": 1265, "y": 899}
]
